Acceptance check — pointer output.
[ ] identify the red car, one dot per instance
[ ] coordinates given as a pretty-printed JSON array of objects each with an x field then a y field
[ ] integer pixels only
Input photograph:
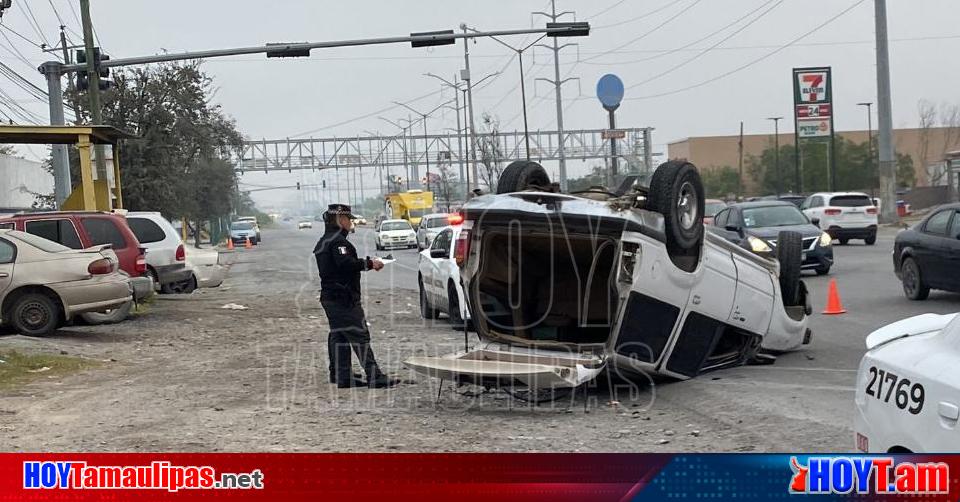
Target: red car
[{"x": 83, "y": 229}]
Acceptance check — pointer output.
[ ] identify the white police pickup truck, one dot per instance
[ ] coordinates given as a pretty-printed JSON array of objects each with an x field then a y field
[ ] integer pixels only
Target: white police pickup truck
[{"x": 908, "y": 387}]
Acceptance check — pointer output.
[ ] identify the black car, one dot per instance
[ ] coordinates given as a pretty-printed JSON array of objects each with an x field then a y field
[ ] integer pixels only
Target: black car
[
  {"x": 755, "y": 226},
  {"x": 927, "y": 255}
]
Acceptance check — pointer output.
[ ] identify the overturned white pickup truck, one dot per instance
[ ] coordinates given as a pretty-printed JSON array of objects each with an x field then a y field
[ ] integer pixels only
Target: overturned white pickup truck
[{"x": 561, "y": 286}]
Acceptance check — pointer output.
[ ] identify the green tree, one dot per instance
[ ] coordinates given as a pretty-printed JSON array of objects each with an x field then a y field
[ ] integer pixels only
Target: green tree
[
  {"x": 178, "y": 163},
  {"x": 720, "y": 182},
  {"x": 855, "y": 168}
]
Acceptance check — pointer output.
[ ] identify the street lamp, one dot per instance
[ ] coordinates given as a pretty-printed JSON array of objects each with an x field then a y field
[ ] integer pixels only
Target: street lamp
[
  {"x": 426, "y": 140},
  {"x": 523, "y": 85},
  {"x": 869, "y": 136},
  {"x": 458, "y": 85},
  {"x": 403, "y": 134},
  {"x": 776, "y": 147}
]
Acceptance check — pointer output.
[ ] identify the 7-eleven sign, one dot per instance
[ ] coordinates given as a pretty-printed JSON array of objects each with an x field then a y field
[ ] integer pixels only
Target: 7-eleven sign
[{"x": 812, "y": 86}]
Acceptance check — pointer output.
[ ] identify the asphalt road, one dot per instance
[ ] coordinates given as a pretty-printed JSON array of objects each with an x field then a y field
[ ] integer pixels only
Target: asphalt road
[
  {"x": 188, "y": 374},
  {"x": 806, "y": 397}
]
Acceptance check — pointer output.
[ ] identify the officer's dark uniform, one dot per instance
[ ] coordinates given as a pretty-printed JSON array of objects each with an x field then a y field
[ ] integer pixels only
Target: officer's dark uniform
[{"x": 340, "y": 268}]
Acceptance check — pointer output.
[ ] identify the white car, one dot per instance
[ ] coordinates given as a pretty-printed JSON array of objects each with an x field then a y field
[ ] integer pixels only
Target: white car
[
  {"x": 433, "y": 224},
  {"x": 166, "y": 256},
  {"x": 908, "y": 387},
  {"x": 359, "y": 220},
  {"x": 206, "y": 267},
  {"x": 562, "y": 286},
  {"x": 395, "y": 234},
  {"x": 256, "y": 224},
  {"x": 304, "y": 224},
  {"x": 843, "y": 215},
  {"x": 441, "y": 289},
  {"x": 242, "y": 231}
]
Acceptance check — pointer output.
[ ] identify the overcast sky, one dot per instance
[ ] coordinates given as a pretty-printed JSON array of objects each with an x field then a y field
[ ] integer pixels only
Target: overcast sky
[{"x": 637, "y": 39}]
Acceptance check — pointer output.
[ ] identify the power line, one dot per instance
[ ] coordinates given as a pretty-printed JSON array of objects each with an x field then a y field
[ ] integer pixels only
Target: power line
[
  {"x": 15, "y": 32},
  {"x": 752, "y": 62},
  {"x": 56, "y": 12},
  {"x": 708, "y": 49},
  {"x": 651, "y": 31},
  {"x": 36, "y": 25},
  {"x": 660, "y": 54},
  {"x": 367, "y": 115},
  {"x": 604, "y": 11},
  {"x": 637, "y": 18}
]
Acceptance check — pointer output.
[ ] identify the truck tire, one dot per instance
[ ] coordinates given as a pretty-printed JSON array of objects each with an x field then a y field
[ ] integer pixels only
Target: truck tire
[
  {"x": 676, "y": 192},
  {"x": 522, "y": 175},
  {"x": 789, "y": 254}
]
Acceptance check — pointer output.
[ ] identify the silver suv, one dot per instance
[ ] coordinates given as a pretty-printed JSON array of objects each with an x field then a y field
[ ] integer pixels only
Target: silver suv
[{"x": 561, "y": 286}]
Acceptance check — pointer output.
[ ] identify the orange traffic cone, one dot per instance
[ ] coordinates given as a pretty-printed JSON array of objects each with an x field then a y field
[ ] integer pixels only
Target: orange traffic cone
[
  {"x": 229, "y": 243},
  {"x": 833, "y": 300},
  {"x": 247, "y": 244}
]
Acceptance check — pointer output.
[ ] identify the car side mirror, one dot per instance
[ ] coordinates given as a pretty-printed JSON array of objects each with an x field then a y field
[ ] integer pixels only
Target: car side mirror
[
  {"x": 438, "y": 253},
  {"x": 815, "y": 221},
  {"x": 732, "y": 228}
]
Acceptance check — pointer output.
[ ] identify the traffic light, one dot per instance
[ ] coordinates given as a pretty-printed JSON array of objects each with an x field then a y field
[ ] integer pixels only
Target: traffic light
[
  {"x": 324, "y": 182},
  {"x": 298, "y": 185},
  {"x": 83, "y": 78}
]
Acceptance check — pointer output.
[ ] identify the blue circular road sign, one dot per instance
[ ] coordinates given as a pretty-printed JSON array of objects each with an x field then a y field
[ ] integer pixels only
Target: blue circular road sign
[{"x": 610, "y": 91}]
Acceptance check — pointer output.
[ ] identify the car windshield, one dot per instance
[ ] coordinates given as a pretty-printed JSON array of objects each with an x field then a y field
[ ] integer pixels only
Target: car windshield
[
  {"x": 241, "y": 225},
  {"x": 712, "y": 208},
  {"x": 437, "y": 222},
  {"x": 773, "y": 216},
  {"x": 396, "y": 225},
  {"x": 38, "y": 242},
  {"x": 851, "y": 201}
]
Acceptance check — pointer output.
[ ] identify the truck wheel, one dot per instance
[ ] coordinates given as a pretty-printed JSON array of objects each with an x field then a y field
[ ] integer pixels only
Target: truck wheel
[
  {"x": 34, "y": 314},
  {"x": 453, "y": 306},
  {"x": 112, "y": 316},
  {"x": 789, "y": 254},
  {"x": 522, "y": 175},
  {"x": 676, "y": 192}
]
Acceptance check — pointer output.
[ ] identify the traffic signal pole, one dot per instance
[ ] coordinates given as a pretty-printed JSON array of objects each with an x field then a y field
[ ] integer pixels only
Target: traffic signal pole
[
  {"x": 54, "y": 70},
  {"x": 93, "y": 92}
]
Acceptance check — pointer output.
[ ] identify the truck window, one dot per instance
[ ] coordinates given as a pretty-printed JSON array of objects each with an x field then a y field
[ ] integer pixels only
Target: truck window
[{"x": 104, "y": 231}]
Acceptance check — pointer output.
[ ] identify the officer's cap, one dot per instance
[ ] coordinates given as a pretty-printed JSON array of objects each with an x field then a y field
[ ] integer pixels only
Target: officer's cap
[{"x": 339, "y": 209}]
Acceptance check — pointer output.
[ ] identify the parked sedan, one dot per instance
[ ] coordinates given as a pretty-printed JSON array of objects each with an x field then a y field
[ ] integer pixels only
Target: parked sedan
[
  {"x": 44, "y": 284},
  {"x": 206, "y": 268},
  {"x": 908, "y": 390},
  {"x": 755, "y": 226},
  {"x": 927, "y": 255},
  {"x": 441, "y": 289}
]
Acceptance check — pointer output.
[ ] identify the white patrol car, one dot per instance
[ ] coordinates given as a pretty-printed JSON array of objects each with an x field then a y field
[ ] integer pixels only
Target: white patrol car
[
  {"x": 438, "y": 278},
  {"x": 562, "y": 286},
  {"x": 908, "y": 387}
]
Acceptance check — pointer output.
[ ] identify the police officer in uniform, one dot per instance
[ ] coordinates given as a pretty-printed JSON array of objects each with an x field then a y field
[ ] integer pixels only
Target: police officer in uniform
[{"x": 340, "y": 268}]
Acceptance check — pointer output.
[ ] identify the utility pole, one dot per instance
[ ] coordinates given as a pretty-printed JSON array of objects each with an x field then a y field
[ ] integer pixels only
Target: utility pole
[
  {"x": 888, "y": 165},
  {"x": 557, "y": 84},
  {"x": 869, "y": 136},
  {"x": 776, "y": 143},
  {"x": 94, "y": 89},
  {"x": 465, "y": 75},
  {"x": 61, "y": 162},
  {"x": 740, "y": 163}
]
